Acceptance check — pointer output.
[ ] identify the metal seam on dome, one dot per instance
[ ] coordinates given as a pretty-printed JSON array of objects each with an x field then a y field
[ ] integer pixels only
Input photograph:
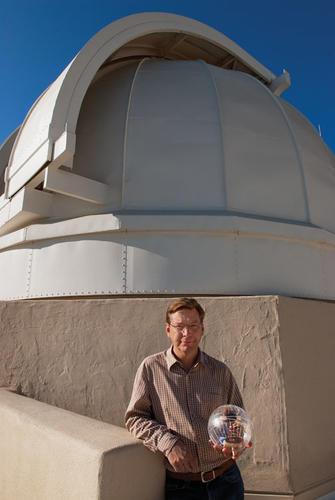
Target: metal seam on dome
[
  {"x": 295, "y": 142},
  {"x": 310, "y": 125},
  {"x": 124, "y": 259},
  {"x": 235, "y": 250},
  {"x": 299, "y": 155},
  {"x": 29, "y": 266},
  {"x": 125, "y": 137},
  {"x": 219, "y": 112},
  {"x": 324, "y": 280},
  {"x": 226, "y": 231}
]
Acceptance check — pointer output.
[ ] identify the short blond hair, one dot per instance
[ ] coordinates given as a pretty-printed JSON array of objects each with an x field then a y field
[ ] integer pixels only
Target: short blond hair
[{"x": 185, "y": 303}]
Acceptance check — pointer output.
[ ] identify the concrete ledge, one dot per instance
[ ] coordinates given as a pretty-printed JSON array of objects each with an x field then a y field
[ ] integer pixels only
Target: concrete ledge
[
  {"x": 311, "y": 494},
  {"x": 54, "y": 454}
]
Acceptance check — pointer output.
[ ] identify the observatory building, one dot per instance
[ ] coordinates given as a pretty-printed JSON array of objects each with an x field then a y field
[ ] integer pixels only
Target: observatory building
[
  {"x": 159, "y": 151},
  {"x": 163, "y": 161}
]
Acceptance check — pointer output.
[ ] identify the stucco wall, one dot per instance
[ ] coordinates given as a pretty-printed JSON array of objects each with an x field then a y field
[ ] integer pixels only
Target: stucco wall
[{"x": 82, "y": 355}]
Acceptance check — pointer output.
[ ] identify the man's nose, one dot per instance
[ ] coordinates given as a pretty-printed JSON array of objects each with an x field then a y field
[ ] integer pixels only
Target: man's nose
[{"x": 186, "y": 329}]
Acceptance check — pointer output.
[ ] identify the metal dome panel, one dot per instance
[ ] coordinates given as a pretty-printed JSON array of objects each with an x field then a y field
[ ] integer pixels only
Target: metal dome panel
[
  {"x": 173, "y": 150},
  {"x": 319, "y": 169},
  {"x": 263, "y": 169}
]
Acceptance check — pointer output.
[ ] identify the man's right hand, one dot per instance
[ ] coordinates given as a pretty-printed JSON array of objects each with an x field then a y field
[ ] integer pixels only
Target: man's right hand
[{"x": 181, "y": 459}]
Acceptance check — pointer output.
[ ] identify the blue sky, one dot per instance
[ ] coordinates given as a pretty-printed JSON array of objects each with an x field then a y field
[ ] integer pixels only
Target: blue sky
[{"x": 38, "y": 38}]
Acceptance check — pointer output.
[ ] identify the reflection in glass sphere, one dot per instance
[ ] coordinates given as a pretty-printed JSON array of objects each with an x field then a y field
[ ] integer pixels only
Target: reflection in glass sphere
[{"x": 230, "y": 426}]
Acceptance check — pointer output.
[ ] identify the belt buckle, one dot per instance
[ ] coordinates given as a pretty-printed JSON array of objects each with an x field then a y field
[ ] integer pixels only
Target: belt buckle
[{"x": 208, "y": 480}]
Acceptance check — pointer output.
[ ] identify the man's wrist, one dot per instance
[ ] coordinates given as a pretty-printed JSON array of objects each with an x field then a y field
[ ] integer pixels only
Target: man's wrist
[{"x": 167, "y": 442}]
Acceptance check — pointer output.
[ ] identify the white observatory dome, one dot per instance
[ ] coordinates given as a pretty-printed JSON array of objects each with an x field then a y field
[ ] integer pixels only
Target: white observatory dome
[
  {"x": 175, "y": 171},
  {"x": 186, "y": 135}
]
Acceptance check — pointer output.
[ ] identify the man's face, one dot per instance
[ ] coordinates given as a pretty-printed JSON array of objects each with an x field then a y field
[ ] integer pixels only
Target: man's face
[{"x": 185, "y": 331}]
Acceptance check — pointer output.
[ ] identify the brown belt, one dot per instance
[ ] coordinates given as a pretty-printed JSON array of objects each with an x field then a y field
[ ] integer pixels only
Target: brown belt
[{"x": 205, "y": 477}]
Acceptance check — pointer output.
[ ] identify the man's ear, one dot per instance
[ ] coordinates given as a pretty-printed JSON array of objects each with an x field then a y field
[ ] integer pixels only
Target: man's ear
[{"x": 167, "y": 329}]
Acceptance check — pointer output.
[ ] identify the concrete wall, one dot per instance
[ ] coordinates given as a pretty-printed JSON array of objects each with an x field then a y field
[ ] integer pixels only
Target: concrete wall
[
  {"x": 307, "y": 341},
  {"x": 82, "y": 355},
  {"x": 50, "y": 453}
]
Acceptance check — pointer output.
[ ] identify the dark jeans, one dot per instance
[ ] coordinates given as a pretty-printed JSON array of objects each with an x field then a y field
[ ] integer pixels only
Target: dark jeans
[{"x": 228, "y": 486}]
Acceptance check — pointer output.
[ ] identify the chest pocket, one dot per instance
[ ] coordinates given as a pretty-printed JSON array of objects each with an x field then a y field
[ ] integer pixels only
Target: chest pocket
[{"x": 207, "y": 402}]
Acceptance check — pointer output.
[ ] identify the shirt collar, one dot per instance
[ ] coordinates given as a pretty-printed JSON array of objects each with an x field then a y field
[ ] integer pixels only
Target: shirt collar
[{"x": 172, "y": 360}]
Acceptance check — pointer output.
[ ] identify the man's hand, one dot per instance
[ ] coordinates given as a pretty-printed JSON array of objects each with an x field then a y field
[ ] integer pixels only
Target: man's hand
[
  {"x": 181, "y": 459},
  {"x": 230, "y": 451}
]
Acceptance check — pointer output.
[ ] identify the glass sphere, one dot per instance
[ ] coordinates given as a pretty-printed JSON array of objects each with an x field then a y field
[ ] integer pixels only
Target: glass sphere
[{"x": 230, "y": 426}]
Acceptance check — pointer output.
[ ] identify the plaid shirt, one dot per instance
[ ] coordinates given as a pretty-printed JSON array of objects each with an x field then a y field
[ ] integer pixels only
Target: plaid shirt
[{"x": 169, "y": 403}]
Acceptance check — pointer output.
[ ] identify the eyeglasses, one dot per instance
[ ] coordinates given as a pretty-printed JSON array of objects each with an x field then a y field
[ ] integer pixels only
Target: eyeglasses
[{"x": 192, "y": 328}]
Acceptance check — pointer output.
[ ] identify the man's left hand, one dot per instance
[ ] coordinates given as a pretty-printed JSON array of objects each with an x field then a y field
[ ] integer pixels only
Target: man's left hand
[{"x": 232, "y": 452}]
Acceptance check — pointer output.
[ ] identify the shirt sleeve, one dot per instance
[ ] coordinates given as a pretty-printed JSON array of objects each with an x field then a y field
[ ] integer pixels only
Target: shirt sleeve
[{"x": 140, "y": 420}]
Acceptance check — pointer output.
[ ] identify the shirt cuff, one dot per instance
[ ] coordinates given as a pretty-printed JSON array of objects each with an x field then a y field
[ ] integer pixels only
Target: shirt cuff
[{"x": 167, "y": 442}]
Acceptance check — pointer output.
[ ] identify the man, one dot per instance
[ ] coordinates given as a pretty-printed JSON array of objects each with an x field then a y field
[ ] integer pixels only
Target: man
[{"x": 173, "y": 396}]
